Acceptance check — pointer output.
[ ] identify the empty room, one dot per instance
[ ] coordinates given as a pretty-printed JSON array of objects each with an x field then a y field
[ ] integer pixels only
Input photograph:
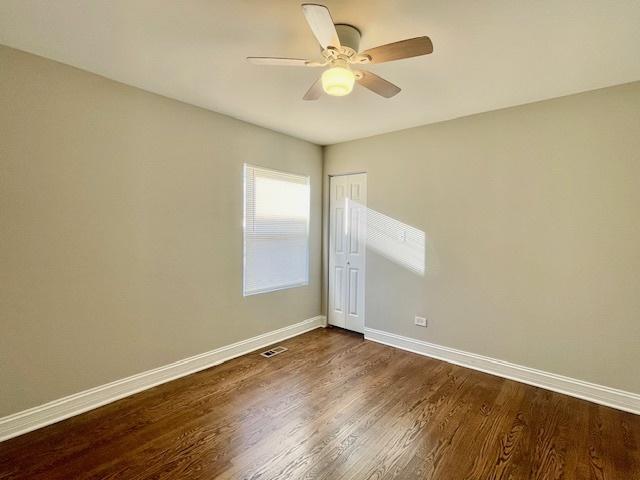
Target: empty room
[{"x": 344, "y": 240}]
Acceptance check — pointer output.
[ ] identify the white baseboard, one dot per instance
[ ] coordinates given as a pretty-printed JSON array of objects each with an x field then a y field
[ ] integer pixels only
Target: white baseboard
[
  {"x": 611, "y": 397},
  {"x": 43, "y": 415}
]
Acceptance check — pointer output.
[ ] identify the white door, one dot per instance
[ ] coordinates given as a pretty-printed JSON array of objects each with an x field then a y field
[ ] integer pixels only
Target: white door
[{"x": 347, "y": 246}]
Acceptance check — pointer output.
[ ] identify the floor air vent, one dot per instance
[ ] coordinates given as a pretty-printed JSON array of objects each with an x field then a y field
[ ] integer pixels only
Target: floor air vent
[{"x": 273, "y": 352}]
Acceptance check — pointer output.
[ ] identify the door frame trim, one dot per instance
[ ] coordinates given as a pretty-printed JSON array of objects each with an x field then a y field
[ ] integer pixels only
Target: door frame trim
[{"x": 327, "y": 237}]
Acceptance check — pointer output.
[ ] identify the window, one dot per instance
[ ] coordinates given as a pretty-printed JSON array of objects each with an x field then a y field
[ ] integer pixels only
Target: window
[{"x": 276, "y": 230}]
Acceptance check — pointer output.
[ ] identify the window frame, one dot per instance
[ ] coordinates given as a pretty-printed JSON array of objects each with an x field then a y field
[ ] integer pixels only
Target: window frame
[{"x": 305, "y": 283}]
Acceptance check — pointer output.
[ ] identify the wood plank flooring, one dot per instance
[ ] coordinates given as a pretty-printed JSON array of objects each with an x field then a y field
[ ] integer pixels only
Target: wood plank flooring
[{"x": 335, "y": 407}]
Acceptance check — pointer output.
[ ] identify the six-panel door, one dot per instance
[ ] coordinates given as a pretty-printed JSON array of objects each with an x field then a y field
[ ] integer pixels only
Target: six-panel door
[{"x": 347, "y": 247}]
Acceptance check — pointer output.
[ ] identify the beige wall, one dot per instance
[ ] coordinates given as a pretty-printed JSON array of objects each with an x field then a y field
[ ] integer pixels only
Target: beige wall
[
  {"x": 121, "y": 230},
  {"x": 532, "y": 221}
]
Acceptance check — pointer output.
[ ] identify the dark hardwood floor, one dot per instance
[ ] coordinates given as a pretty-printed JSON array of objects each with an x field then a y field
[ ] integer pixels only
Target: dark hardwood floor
[{"x": 335, "y": 407}]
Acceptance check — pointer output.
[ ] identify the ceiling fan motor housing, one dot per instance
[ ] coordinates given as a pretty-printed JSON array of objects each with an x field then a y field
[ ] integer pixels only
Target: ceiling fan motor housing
[{"x": 349, "y": 37}]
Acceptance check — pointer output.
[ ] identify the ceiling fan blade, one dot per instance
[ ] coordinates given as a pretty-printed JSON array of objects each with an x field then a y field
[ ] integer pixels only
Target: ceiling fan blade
[
  {"x": 399, "y": 50},
  {"x": 285, "y": 62},
  {"x": 321, "y": 23},
  {"x": 377, "y": 84},
  {"x": 315, "y": 91}
]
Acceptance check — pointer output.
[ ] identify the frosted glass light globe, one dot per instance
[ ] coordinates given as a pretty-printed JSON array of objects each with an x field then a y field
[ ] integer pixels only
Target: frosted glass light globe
[{"x": 338, "y": 81}]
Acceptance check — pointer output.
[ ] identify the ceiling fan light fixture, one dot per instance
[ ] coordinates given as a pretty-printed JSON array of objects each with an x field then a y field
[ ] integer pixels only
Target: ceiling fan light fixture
[
  {"x": 338, "y": 81},
  {"x": 340, "y": 45}
]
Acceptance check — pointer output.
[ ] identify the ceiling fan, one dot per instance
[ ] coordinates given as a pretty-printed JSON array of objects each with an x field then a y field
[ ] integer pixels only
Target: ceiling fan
[{"x": 340, "y": 44}]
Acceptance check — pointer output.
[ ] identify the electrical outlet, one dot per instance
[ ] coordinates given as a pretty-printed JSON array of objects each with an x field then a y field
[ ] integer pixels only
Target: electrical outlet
[{"x": 420, "y": 321}]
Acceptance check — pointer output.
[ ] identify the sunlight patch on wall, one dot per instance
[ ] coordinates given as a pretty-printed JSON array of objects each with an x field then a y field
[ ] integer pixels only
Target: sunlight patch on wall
[{"x": 396, "y": 241}]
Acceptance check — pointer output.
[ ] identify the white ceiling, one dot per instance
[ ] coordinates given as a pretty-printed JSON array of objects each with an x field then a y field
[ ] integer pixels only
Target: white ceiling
[{"x": 488, "y": 54}]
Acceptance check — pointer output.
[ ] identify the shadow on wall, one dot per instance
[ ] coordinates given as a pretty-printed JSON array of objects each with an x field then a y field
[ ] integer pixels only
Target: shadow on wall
[{"x": 396, "y": 241}]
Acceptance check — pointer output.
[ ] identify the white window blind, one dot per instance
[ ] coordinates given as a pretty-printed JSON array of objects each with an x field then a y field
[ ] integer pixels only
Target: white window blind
[{"x": 276, "y": 230}]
